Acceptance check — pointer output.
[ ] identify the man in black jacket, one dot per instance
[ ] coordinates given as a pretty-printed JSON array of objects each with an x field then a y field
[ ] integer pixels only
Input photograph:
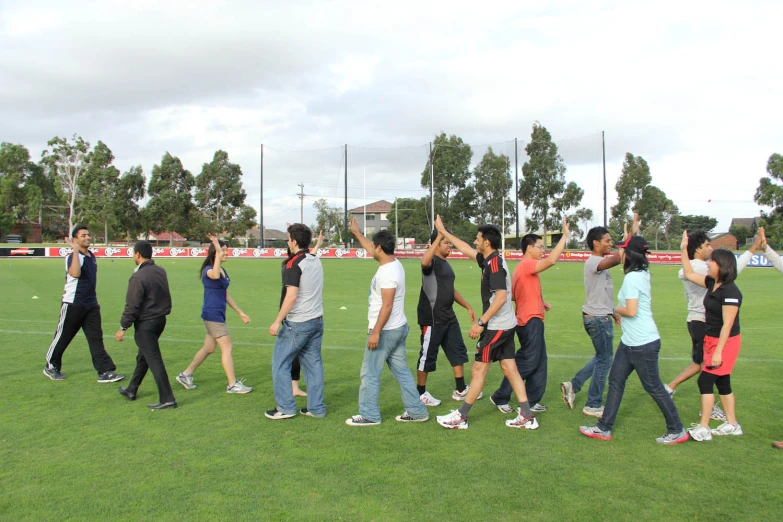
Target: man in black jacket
[{"x": 147, "y": 304}]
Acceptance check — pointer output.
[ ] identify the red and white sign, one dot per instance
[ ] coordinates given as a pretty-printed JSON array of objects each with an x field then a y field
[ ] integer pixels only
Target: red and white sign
[{"x": 666, "y": 258}]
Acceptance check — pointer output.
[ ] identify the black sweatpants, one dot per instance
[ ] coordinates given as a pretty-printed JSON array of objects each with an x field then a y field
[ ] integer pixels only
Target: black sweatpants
[
  {"x": 531, "y": 362},
  {"x": 72, "y": 319},
  {"x": 146, "y": 335}
]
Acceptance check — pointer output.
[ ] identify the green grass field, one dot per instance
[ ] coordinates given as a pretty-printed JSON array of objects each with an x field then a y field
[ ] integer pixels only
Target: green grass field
[{"x": 77, "y": 450}]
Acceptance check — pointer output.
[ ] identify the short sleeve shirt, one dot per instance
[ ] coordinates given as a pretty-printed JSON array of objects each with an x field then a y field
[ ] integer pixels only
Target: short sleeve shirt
[
  {"x": 390, "y": 275},
  {"x": 715, "y": 300},
  {"x": 494, "y": 277},
  {"x": 436, "y": 299},
  {"x": 526, "y": 286},
  {"x": 694, "y": 294},
  {"x": 640, "y": 329},
  {"x": 599, "y": 290},
  {"x": 215, "y": 292},
  {"x": 305, "y": 272}
]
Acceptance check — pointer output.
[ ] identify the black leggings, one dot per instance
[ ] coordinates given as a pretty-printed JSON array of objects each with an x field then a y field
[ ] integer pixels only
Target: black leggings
[{"x": 707, "y": 380}]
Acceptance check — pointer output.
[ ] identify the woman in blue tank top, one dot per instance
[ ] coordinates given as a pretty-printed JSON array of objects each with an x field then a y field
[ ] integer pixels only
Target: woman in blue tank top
[{"x": 213, "y": 312}]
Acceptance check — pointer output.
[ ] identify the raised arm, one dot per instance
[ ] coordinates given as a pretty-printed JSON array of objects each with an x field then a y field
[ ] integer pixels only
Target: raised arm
[
  {"x": 366, "y": 243},
  {"x": 319, "y": 242},
  {"x": 687, "y": 269},
  {"x": 214, "y": 272},
  {"x": 551, "y": 259},
  {"x": 426, "y": 261},
  {"x": 457, "y": 242},
  {"x": 75, "y": 267}
]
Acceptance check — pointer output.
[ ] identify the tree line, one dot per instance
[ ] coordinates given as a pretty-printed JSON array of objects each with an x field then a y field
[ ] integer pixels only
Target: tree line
[{"x": 76, "y": 183}]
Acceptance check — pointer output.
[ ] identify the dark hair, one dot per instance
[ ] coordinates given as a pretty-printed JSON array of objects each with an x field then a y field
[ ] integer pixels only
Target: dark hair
[
  {"x": 492, "y": 234},
  {"x": 529, "y": 240},
  {"x": 143, "y": 248},
  {"x": 595, "y": 234},
  {"x": 76, "y": 230},
  {"x": 727, "y": 265},
  {"x": 434, "y": 235},
  {"x": 385, "y": 240},
  {"x": 695, "y": 241},
  {"x": 210, "y": 259},
  {"x": 635, "y": 261},
  {"x": 301, "y": 234}
]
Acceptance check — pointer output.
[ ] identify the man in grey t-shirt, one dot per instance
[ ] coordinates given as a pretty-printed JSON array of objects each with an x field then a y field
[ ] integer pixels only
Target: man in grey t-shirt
[{"x": 599, "y": 318}]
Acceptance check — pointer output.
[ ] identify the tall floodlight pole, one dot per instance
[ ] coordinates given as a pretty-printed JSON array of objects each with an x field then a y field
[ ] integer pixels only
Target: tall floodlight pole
[
  {"x": 516, "y": 189},
  {"x": 261, "y": 201},
  {"x": 345, "y": 243},
  {"x": 432, "y": 187},
  {"x": 603, "y": 159}
]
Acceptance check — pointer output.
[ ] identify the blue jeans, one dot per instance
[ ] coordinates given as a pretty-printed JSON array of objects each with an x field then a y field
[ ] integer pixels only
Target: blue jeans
[
  {"x": 391, "y": 350},
  {"x": 302, "y": 340},
  {"x": 600, "y": 328},
  {"x": 643, "y": 359}
]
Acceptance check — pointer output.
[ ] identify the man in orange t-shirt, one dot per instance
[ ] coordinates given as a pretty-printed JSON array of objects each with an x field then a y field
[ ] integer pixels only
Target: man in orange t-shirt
[{"x": 531, "y": 357}]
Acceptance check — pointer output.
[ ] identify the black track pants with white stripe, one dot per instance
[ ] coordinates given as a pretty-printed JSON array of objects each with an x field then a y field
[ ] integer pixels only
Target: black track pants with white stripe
[{"x": 72, "y": 319}]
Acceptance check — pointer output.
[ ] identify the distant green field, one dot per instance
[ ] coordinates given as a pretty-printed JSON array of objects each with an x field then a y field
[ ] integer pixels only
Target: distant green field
[{"x": 77, "y": 450}]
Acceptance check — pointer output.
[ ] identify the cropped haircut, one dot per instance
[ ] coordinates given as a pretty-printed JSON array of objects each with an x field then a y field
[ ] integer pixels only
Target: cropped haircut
[
  {"x": 301, "y": 234},
  {"x": 385, "y": 240},
  {"x": 143, "y": 248},
  {"x": 492, "y": 234},
  {"x": 635, "y": 261},
  {"x": 76, "y": 230},
  {"x": 727, "y": 265},
  {"x": 696, "y": 240},
  {"x": 529, "y": 240},
  {"x": 434, "y": 235},
  {"x": 595, "y": 234},
  {"x": 210, "y": 259}
]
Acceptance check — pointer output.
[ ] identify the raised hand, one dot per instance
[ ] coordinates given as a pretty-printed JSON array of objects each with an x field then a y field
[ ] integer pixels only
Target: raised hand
[
  {"x": 636, "y": 224},
  {"x": 684, "y": 243},
  {"x": 439, "y": 225},
  {"x": 566, "y": 226},
  {"x": 354, "y": 226}
]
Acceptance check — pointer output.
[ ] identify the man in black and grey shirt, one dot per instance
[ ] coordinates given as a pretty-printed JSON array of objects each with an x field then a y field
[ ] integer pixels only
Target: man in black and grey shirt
[
  {"x": 438, "y": 322},
  {"x": 147, "y": 304},
  {"x": 80, "y": 311}
]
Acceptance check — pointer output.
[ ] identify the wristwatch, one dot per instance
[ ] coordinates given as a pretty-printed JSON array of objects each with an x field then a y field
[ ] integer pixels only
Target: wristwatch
[{"x": 481, "y": 323}]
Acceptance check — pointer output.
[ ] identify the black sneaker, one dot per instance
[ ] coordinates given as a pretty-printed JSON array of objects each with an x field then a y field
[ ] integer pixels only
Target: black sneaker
[
  {"x": 307, "y": 413},
  {"x": 110, "y": 376},
  {"x": 278, "y": 415},
  {"x": 53, "y": 373}
]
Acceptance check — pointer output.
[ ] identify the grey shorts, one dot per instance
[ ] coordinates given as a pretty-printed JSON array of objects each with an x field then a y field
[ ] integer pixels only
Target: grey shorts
[{"x": 216, "y": 330}]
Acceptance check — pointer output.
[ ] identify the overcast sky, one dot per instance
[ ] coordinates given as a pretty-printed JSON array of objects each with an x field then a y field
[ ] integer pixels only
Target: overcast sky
[{"x": 693, "y": 87}]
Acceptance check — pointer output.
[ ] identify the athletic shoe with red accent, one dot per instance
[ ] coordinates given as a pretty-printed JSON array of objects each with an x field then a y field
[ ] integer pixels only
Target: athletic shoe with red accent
[
  {"x": 594, "y": 432},
  {"x": 521, "y": 422},
  {"x": 453, "y": 421},
  {"x": 673, "y": 438},
  {"x": 460, "y": 395},
  {"x": 428, "y": 400}
]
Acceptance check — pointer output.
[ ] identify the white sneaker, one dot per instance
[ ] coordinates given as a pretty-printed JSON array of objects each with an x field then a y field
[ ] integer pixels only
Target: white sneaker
[
  {"x": 593, "y": 412},
  {"x": 538, "y": 408},
  {"x": 669, "y": 390},
  {"x": 453, "y": 421},
  {"x": 568, "y": 393},
  {"x": 186, "y": 380},
  {"x": 728, "y": 428},
  {"x": 717, "y": 414},
  {"x": 428, "y": 400},
  {"x": 460, "y": 396},
  {"x": 239, "y": 387},
  {"x": 523, "y": 423},
  {"x": 699, "y": 433}
]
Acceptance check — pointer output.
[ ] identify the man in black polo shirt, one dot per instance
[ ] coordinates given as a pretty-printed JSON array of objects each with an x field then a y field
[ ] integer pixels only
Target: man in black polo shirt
[
  {"x": 438, "y": 322},
  {"x": 80, "y": 310},
  {"x": 147, "y": 304}
]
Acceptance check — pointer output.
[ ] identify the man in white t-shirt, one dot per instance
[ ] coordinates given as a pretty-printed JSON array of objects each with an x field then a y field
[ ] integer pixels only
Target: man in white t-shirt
[{"x": 387, "y": 332}]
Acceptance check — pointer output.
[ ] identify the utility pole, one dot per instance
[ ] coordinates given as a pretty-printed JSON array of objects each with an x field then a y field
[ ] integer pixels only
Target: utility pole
[
  {"x": 516, "y": 189},
  {"x": 603, "y": 158},
  {"x": 301, "y": 202},
  {"x": 345, "y": 243},
  {"x": 261, "y": 201}
]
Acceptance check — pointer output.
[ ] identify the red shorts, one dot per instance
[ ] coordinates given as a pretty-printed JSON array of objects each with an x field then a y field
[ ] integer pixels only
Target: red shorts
[{"x": 730, "y": 352}]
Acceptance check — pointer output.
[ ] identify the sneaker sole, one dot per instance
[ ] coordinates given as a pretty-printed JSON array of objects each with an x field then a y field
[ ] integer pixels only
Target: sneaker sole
[
  {"x": 449, "y": 427},
  {"x": 349, "y": 422},
  {"x": 431, "y": 404},
  {"x": 400, "y": 419},
  {"x": 696, "y": 439},
  {"x": 282, "y": 416},
  {"x": 597, "y": 414},
  {"x": 565, "y": 397},
  {"x": 595, "y": 436},
  {"x": 243, "y": 392},
  {"x": 522, "y": 427}
]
